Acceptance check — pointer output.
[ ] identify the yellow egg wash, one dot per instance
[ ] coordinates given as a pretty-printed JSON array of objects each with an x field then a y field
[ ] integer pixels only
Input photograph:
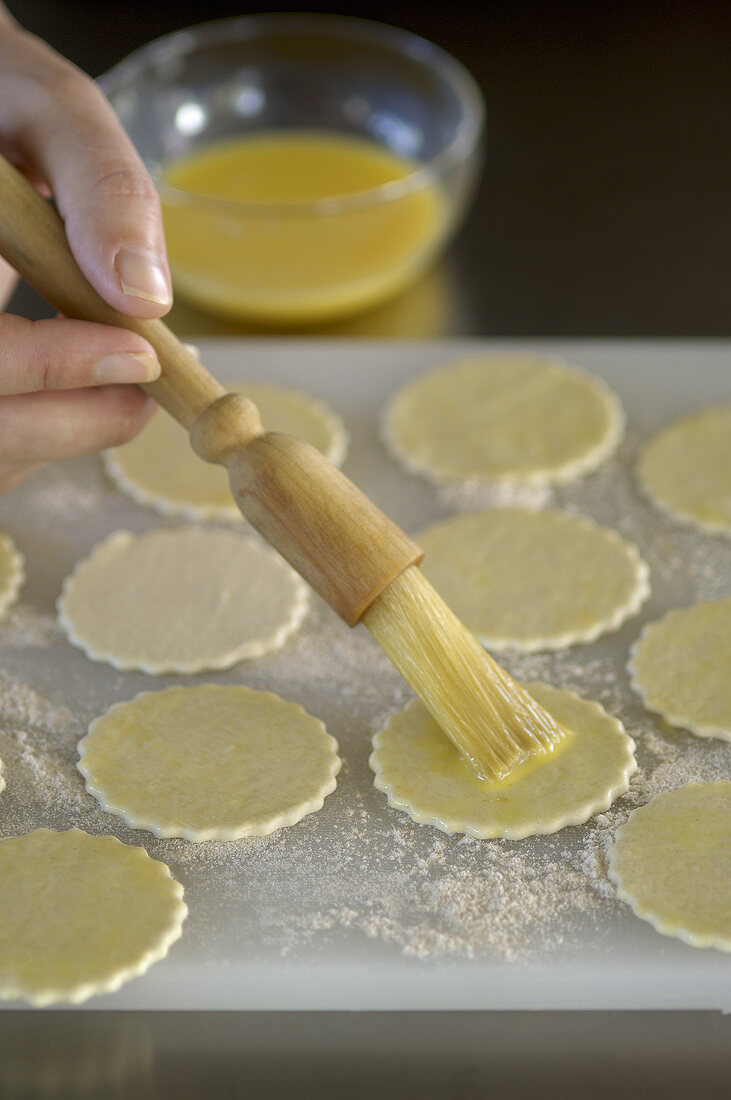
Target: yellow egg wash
[
  {"x": 276, "y": 259},
  {"x": 441, "y": 764},
  {"x": 533, "y": 763}
]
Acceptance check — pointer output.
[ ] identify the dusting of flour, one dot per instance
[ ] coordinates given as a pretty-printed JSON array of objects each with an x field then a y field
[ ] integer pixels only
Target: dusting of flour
[{"x": 357, "y": 871}]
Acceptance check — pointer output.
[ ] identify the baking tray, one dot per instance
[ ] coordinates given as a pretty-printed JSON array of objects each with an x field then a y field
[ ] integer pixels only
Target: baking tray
[{"x": 357, "y": 907}]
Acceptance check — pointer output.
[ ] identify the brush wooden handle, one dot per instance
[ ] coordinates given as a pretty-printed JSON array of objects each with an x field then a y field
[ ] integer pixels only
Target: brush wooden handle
[{"x": 329, "y": 531}]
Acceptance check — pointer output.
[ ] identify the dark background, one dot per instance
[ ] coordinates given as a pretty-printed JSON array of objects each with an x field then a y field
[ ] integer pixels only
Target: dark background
[
  {"x": 604, "y": 207},
  {"x": 603, "y": 211}
]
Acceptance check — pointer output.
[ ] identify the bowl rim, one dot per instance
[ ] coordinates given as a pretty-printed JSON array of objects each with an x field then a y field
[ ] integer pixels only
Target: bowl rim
[{"x": 460, "y": 148}]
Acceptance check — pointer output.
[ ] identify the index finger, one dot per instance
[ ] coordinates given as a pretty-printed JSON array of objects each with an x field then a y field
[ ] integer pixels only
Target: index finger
[{"x": 55, "y": 116}]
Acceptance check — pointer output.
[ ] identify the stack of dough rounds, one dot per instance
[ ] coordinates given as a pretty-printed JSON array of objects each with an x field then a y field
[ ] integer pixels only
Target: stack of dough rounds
[
  {"x": 160, "y": 468},
  {"x": 80, "y": 915},
  {"x": 180, "y": 600},
  {"x": 12, "y": 573},
  {"x": 685, "y": 469},
  {"x": 681, "y": 666},
  {"x": 672, "y": 863},
  {"x": 504, "y": 418},
  {"x": 421, "y": 772},
  {"x": 530, "y": 580},
  {"x": 209, "y": 763}
]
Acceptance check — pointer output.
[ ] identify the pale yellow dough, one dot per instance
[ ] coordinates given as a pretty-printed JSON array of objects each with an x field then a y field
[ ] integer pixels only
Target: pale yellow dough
[
  {"x": 422, "y": 773},
  {"x": 209, "y": 763},
  {"x": 529, "y": 580},
  {"x": 81, "y": 915},
  {"x": 686, "y": 469},
  {"x": 672, "y": 863},
  {"x": 12, "y": 573},
  {"x": 160, "y": 468},
  {"x": 180, "y": 600},
  {"x": 504, "y": 418},
  {"x": 681, "y": 666}
]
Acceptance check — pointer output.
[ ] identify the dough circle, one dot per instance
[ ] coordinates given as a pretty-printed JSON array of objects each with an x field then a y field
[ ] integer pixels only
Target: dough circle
[
  {"x": 504, "y": 418},
  {"x": 180, "y": 600},
  {"x": 422, "y": 773},
  {"x": 209, "y": 762},
  {"x": 81, "y": 915},
  {"x": 528, "y": 580},
  {"x": 160, "y": 468},
  {"x": 12, "y": 573},
  {"x": 685, "y": 469},
  {"x": 671, "y": 862},
  {"x": 680, "y": 666}
]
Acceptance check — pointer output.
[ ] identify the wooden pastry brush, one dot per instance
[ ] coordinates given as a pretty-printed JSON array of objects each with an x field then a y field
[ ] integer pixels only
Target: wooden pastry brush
[{"x": 352, "y": 554}]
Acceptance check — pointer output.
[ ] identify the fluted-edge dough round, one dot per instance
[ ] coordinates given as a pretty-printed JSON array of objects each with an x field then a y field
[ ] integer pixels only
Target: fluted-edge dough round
[
  {"x": 685, "y": 469},
  {"x": 503, "y": 418},
  {"x": 159, "y": 467},
  {"x": 421, "y": 772},
  {"x": 12, "y": 573},
  {"x": 671, "y": 862},
  {"x": 209, "y": 762},
  {"x": 81, "y": 915},
  {"x": 529, "y": 580},
  {"x": 180, "y": 600},
  {"x": 681, "y": 666}
]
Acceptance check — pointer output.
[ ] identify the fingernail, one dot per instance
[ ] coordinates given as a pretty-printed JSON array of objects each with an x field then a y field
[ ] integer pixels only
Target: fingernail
[
  {"x": 127, "y": 367},
  {"x": 141, "y": 275}
]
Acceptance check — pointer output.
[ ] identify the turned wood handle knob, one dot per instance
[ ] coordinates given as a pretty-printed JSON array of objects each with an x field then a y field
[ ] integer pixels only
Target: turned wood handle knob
[{"x": 226, "y": 426}]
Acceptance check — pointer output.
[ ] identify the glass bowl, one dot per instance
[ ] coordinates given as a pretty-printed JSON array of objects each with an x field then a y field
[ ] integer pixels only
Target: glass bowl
[{"x": 285, "y": 257}]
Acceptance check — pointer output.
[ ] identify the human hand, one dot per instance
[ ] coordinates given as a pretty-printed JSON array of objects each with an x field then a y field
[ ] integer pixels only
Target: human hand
[{"x": 65, "y": 385}]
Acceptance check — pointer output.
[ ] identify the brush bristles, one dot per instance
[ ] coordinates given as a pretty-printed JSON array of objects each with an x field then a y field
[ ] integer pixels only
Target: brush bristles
[{"x": 492, "y": 721}]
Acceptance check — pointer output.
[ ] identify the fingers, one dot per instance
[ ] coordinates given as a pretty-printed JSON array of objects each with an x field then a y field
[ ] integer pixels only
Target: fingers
[
  {"x": 57, "y": 393},
  {"x": 42, "y": 427},
  {"x": 6, "y": 19},
  {"x": 62, "y": 354},
  {"x": 56, "y": 117},
  {"x": 12, "y": 472}
]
